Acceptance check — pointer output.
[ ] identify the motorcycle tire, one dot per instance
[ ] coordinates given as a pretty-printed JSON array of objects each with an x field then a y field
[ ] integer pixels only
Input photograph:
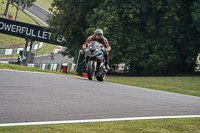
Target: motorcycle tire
[
  {"x": 101, "y": 77},
  {"x": 91, "y": 72}
]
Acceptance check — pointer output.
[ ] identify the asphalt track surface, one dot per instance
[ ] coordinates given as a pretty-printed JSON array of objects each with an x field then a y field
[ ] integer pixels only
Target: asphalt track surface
[
  {"x": 36, "y": 97},
  {"x": 39, "y": 12}
]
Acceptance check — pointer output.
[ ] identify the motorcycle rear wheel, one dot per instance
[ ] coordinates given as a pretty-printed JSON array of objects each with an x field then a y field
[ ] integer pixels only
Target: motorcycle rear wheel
[
  {"x": 101, "y": 77},
  {"x": 91, "y": 72}
]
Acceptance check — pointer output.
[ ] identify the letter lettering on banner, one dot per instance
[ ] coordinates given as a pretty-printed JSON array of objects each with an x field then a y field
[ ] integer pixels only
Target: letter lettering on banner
[
  {"x": 49, "y": 35},
  {"x": 7, "y": 27},
  {"x": 19, "y": 28},
  {"x": 32, "y": 31},
  {"x": 1, "y": 23},
  {"x": 24, "y": 29},
  {"x": 13, "y": 28},
  {"x": 45, "y": 35},
  {"x": 39, "y": 34},
  {"x": 58, "y": 39},
  {"x": 27, "y": 32}
]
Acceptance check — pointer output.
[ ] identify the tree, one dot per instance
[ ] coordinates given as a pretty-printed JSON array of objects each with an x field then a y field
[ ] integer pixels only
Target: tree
[
  {"x": 17, "y": 10},
  {"x": 7, "y": 7},
  {"x": 24, "y": 4},
  {"x": 153, "y": 37},
  {"x": 69, "y": 20},
  {"x": 196, "y": 14}
]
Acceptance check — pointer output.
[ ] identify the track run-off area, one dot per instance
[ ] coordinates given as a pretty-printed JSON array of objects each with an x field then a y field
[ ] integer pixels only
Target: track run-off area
[{"x": 33, "y": 98}]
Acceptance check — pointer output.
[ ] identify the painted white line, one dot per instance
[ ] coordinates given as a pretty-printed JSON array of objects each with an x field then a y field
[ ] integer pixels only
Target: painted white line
[{"x": 96, "y": 120}]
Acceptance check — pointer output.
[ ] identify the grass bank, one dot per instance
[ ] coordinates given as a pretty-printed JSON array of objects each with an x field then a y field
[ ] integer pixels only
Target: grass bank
[
  {"x": 190, "y": 125},
  {"x": 23, "y": 68},
  {"x": 45, "y": 50},
  {"x": 189, "y": 85}
]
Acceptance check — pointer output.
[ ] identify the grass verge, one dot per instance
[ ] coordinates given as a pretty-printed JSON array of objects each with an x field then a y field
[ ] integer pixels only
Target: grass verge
[
  {"x": 45, "y": 50},
  {"x": 191, "y": 125},
  {"x": 189, "y": 85},
  {"x": 23, "y": 68}
]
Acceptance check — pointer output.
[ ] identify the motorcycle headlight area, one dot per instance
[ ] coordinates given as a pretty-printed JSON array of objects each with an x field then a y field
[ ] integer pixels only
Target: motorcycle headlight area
[{"x": 99, "y": 53}]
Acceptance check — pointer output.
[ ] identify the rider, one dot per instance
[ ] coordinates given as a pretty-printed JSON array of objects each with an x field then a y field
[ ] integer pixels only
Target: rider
[{"x": 98, "y": 36}]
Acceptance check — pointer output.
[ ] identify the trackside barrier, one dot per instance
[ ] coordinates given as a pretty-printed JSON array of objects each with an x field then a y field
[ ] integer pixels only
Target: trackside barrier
[
  {"x": 51, "y": 66},
  {"x": 16, "y": 51}
]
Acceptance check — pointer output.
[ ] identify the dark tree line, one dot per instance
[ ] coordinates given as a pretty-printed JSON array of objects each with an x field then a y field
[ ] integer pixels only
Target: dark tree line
[{"x": 152, "y": 37}]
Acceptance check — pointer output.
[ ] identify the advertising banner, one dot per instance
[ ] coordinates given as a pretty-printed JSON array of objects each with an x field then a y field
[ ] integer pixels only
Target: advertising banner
[{"x": 28, "y": 31}]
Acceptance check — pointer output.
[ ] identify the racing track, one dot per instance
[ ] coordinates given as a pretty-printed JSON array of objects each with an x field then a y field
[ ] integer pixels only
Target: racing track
[
  {"x": 36, "y": 97},
  {"x": 39, "y": 12}
]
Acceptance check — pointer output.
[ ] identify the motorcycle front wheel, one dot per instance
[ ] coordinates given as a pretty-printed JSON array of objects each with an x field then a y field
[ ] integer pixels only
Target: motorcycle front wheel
[
  {"x": 101, "y": 77},
  {"x": 91, "y": 72}
]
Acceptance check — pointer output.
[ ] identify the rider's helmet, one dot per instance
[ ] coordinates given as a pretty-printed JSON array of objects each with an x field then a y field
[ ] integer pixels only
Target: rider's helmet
[{"x": 98, "y": 34}]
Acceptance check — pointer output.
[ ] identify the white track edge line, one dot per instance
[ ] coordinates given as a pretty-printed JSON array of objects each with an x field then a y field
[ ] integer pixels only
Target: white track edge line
[{"x": 96, "y": 120}]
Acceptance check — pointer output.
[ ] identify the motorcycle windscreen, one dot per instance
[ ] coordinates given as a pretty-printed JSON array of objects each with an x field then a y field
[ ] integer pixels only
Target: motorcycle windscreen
[{"x": 94, "y": 45}]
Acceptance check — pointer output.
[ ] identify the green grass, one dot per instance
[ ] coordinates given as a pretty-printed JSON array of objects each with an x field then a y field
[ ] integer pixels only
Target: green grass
[
  {"x": 46, "y": 49},
  {"x": 189, "y": 85},
  {"x": 24, "y": 68},
  {"x": 190, "y": 125},
  {"x": 10, "y": 40}
]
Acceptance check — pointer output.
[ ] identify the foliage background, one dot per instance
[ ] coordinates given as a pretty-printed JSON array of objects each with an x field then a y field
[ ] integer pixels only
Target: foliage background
[{"x": 152, "y": 37}]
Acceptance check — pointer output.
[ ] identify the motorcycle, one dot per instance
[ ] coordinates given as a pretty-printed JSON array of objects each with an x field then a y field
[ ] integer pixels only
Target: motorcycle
[{"x": 95, "y": 61}]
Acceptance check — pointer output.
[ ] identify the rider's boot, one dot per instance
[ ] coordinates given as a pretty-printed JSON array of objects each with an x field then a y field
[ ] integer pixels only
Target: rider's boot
[
  {"x": 107, "y": 64},
  {"x": 83, "y": 54}
]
